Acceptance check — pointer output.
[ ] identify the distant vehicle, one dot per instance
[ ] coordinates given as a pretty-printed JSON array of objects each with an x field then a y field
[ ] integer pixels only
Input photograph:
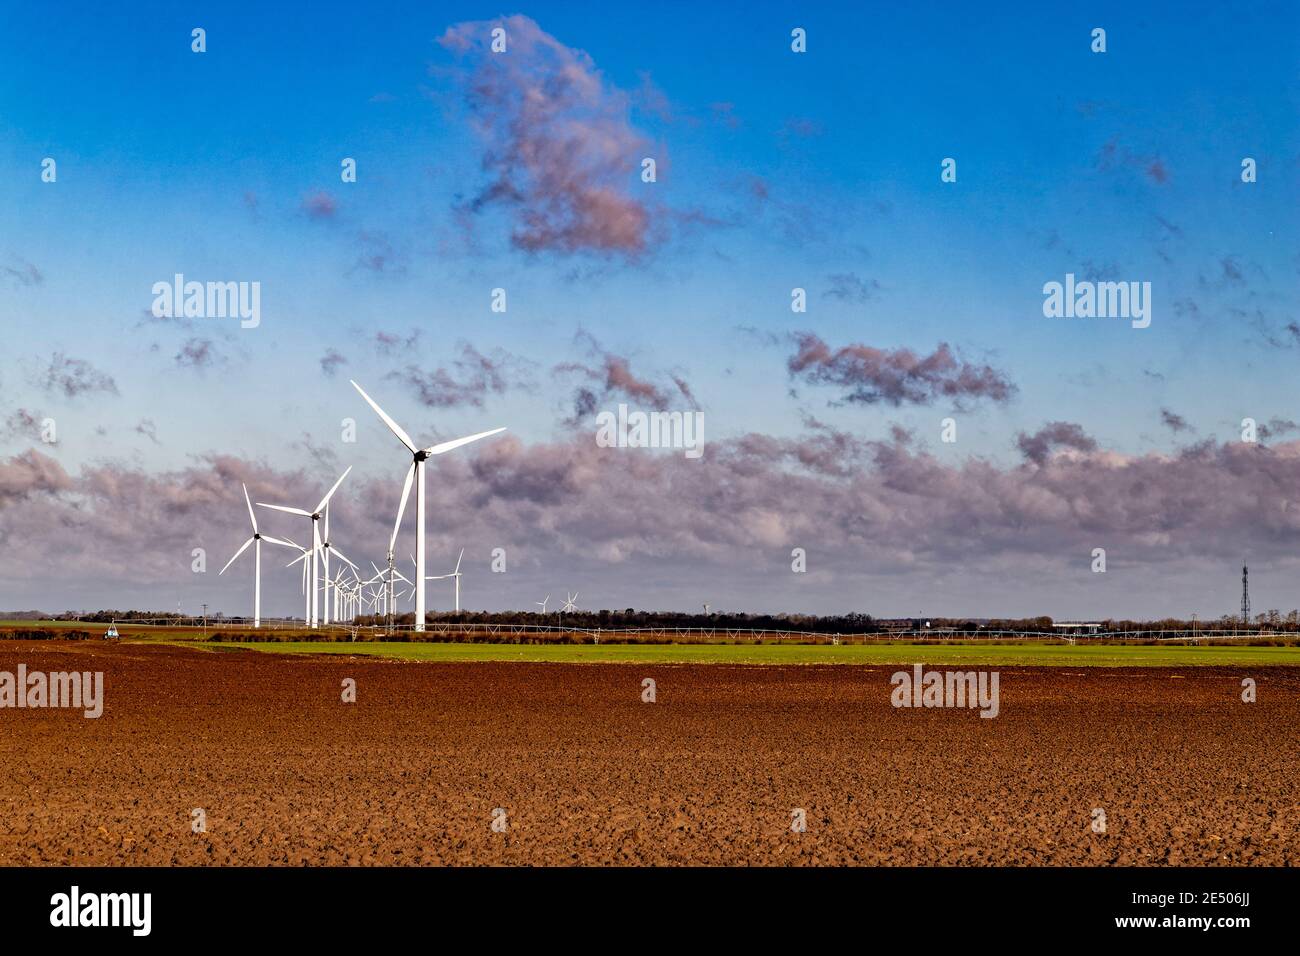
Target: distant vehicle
[{"x": 111, "y": 633}]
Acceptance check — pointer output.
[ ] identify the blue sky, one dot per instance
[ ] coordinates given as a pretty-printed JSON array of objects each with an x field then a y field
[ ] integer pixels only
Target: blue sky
[{"x": 776, "y": 170}]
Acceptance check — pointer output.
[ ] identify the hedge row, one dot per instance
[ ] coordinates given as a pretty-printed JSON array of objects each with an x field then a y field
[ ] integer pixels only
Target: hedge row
[{"x": 42, "y": 634}]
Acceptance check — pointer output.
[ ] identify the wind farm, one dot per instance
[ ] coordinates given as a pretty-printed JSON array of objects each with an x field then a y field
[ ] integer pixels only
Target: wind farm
[{"x": 341, "y": 598}]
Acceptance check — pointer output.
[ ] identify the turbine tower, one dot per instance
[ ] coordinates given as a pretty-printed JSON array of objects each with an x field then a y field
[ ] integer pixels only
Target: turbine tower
[
  {"x": 325, "y": 560},
  {"x": 416, "y": 474}
]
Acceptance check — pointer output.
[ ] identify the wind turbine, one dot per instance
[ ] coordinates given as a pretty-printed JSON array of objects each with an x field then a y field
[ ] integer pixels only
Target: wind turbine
[
  {"x": 542, "y": 603},
  {"x": 330, "y": 608},
  {"x": 416, "y": 474},
  {"x": 255, "y": 540},
  {"x": 315, "y": 517},
  {"x": 454, "y": 574},
  {"x": 569, "y": 606},
  {"x": 306, "y": 612},
  {"x": 388, "y": 587}
]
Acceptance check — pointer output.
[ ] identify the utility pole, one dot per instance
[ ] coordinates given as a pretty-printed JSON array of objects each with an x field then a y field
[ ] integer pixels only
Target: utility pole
[
  {"x": 1245, "y": 596},
  {"x": 205, "y": 621}
]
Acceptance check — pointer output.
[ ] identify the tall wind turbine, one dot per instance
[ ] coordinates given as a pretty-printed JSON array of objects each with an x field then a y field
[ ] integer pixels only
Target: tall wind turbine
[
  {"x": 416, "y": 474},
  {"x": 315, "y": 517},
  {"x": 454, "y": 574},
  {"x": 256, "y": 540}
]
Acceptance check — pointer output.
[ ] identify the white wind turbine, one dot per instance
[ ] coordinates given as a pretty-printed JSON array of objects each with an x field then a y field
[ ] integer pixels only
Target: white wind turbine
[
  {"x": 256, "y": 540},
  {"x": 542, "y": 603},
  {"x": 388, "y": 585},
  {"x": 569, "y": 606},
  {"x": 315, "y": 517},
  {"x": 306, "y": 612},
  {"x": 327, "y": 546},
  {"x": 454, "y": 574},
  {"x": 344, "y": 594},
  {"x": 416, "y": 474}
]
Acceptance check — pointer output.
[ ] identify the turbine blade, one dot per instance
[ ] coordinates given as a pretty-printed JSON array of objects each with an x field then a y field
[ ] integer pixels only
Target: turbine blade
[
  {"x": 462, "y": 554},
  {"x": 401, "y": 508},
  {"x": 396, "y": 429},
  {"x": 342, "y": 557},
  {"x": 324, "y": 501},
  {"x": 457, "y": 442},
  {"x": 242, "y": 549},
  {"x": 251, "y": 517},
  {"x": 285, "y": 508},
  {"x": 279, "y": 541}
]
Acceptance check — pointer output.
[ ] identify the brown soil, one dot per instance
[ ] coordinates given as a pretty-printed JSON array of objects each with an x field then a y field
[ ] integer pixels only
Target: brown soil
[{"x": 411, "y": 773}]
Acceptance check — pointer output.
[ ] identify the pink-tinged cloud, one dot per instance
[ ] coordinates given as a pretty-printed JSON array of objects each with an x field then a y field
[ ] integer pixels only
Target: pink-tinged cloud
[
  {"x": 467, "y": 380},
  {"x": 28, "y": 474},
  {"x": 330, "y": 362},
  {"x": 21, "y": 423},
  {"x": 605, "y": 377},
  {"x": 320, "y": 205},
  {"x": 74, "y": 376},
  {"x": 197, "y": 353},
  {"x": 1115, "y": 155},
  {"x": 1039, "y": 446},
  {"x": 868, "y": 375},
  {"x": 862, "y": 506},
  {"x": 560, "y": 150}
]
